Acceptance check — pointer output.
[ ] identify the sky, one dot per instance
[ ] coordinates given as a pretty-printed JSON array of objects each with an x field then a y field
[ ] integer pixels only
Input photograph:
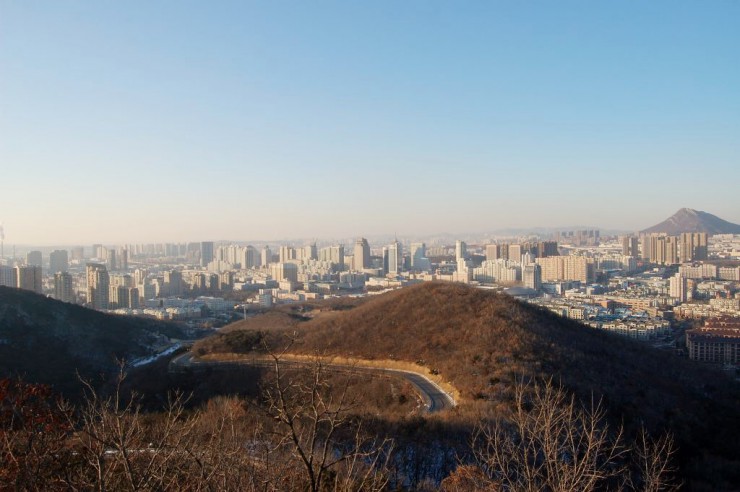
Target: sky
[{"x": 144, "y": 121}]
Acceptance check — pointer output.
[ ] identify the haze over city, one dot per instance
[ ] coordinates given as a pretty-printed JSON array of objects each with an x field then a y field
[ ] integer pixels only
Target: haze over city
[
  {"x": 180, "y": 121},
  {"x": 380, "y": 246}
]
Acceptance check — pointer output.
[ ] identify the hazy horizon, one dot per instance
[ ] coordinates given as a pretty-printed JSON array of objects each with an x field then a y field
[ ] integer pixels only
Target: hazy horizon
[
  {"x": 173, "y": 121},
  {"x": 375, "y": 239}
]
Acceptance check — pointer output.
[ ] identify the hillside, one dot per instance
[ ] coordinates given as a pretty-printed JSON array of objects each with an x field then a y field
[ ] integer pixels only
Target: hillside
[
  {"x": 690, "y": 220},
  {"x": 482, "y": 342},
  {"x": 46, "y": 341}
]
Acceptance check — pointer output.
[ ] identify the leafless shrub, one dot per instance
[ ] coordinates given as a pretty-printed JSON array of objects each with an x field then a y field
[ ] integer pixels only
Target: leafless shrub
[
  {"x": 551, "y": 442},
  {"x": 314, "y": 423}
]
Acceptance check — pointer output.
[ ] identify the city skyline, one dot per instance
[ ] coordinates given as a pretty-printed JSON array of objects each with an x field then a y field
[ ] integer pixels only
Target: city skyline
[{"x": 146, "y": 122}]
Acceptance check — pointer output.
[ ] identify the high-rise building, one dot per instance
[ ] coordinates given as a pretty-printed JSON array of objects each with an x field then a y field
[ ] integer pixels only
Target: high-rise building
[
  {"x": 532, "y": 276},
  {"x": 310, "y": 252},
  {"x": 668, "y": 250},
  {"x": 504, "y": 251},
  {"x": 148, "y": 290},
  {"x": 461, "y": 250},
  {"x": 206, "y": 253},
  {"x": 266, "y": 257},
  {"x": 34, "y": 258},
  {"x": 78, "y": 253},
  {"x": 552, "y": 268},
  {"x": 463, "y": 272},
  {"x": 393, "y": 258},
  {"x": 199, "y": 282},
  {"x": 98, "y": 286},
  {"x": 58, "y": 261},
  {"x": 231, "y": 256},
  {"x": 625, "y": 240},
  {"x": 578, "y": 268},
  {"x": 119, "y": 297},
  {"x": 333, "y": 254},
  {"x": 7, "y": 276},
  {"x": 287, "y": 253},
  {"x": 661, "y": 249},
  {"x": 547, "y": 248},
  {"x": 173, "y": 284},
  {"x": 111, "y": 260},
  {"x": 29, "y": 278},
  {"x": 558, "y": 268},
  {"x": 284, "y": 271},
  {"x": 140, "y": 275},
  {"x": 693, "y": 246},
  {"x": 123, "y": 259},
  {"x": 251, "y": 257},
  {"x": 337, "y": 255},
  {"x": 362, "y": 254},
  {"x": 493, "y": 252},
  {"x": 98, "y": 251},
  {"x": 133, "y": 297},
  {"x": 214, "y": 282},
  {"x": 650, "y": 248},
  {"x": 679, "y": 288},
  {"x": 630, "y": 246},
  {"x": 579, "y": 238},
  {"x": 499, "y": 270},
  {"x": 63, "y": 289},
  {"x": 515, "y": 252},
  {"x": 418, "y": 257},
  {"x": 226, "y": 279}
]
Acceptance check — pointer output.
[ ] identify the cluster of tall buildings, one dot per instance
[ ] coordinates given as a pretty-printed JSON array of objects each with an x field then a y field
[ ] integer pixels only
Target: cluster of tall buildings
[
  {"x": 113, "y": 258},
  {"x": 27, "y": 277},
  {"x": 103, "y": 280},
  {"x": 521, "y": 251},
  {"x": 505, "y": 263},
  {"x": 663, "y": 249},
  {"x": 588, "y": 237},
  {"x": 559, "y": 268}
]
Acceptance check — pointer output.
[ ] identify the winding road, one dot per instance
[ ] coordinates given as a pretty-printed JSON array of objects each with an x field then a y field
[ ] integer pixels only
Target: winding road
[{"x": 435, "y": 398}]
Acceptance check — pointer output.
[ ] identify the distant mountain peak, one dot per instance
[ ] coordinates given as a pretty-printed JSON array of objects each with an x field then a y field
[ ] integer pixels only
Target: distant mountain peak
[{"x": 690, "y": 220}]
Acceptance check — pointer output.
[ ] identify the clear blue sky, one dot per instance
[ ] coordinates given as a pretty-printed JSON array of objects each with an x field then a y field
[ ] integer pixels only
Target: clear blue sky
[{"x": 151, "y": 121}]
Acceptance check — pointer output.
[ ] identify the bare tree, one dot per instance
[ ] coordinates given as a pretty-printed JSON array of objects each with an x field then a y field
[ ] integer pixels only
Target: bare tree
[
  {"x": 127, "y": 451},
  {"x": 111, "y": 443},
  {"x": 653, "y": 463},
  {"x": 550, "y": 443},
  {"x": 316, "y": 426},
  {"x": 228, "y": 450}
]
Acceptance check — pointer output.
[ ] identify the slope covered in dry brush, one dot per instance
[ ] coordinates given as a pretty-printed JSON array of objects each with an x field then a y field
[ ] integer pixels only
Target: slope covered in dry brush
[{"x": 483, "y": 342}]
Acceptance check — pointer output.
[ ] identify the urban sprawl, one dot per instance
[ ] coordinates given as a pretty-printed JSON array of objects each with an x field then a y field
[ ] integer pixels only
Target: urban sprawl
[{"x": 646, "y": 286}]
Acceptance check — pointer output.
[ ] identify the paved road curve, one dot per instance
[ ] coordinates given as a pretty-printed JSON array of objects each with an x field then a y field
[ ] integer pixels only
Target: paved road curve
[{"x": 435, "y": 398}]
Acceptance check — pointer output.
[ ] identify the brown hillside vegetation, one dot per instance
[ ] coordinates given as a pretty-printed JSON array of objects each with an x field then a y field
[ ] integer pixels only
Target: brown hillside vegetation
[
  {"x": 482, "y": 342},
  {"x": 47, "y": 341}
]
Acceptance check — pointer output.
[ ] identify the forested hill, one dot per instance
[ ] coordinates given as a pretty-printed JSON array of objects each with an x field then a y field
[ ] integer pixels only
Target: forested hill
[
  {"x": 47, "y": 341},
  {"x": 482, "y": 342}
]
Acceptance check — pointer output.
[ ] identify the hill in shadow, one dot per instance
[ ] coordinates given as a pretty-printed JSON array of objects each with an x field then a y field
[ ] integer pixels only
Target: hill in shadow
[{"x": 47, "y": 341}]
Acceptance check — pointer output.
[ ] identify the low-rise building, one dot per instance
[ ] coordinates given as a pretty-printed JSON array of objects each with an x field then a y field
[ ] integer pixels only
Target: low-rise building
[{"x": 717, "y": 341}]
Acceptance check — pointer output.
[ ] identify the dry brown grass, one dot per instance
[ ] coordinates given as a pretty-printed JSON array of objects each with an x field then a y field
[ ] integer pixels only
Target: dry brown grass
[{"x": 481, "y": 343}]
